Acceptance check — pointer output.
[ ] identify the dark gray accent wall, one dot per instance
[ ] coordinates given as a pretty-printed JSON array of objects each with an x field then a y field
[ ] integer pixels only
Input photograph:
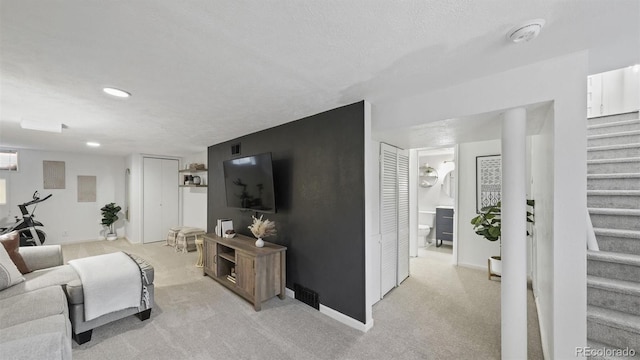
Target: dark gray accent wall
[{"x": 318, "y": 165}]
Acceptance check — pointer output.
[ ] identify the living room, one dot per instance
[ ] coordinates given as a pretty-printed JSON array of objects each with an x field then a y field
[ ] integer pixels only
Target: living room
[{"x": 338, "y": 167}]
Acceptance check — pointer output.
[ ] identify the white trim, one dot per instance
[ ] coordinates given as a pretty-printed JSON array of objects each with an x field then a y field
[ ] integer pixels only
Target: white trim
[
  {"x": 456, "y": 204},
  {"x": 290, "y": 293},
  {"x": 338, "y": 316},
  {"x": 347, "y": 320},
  {"x": 543, "y": 333}
]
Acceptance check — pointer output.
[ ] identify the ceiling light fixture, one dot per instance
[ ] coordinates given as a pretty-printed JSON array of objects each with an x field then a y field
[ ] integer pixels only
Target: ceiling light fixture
[
  {"x": 54, "y": 127},
  {"x": 116, "y": 92},
  {"x": 93, "y": 144},
  {"x": 526, "y": 31}
]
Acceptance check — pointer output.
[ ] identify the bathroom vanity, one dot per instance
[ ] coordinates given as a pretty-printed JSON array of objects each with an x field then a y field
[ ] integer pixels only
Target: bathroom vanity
[{"x": 444, "y": 224}]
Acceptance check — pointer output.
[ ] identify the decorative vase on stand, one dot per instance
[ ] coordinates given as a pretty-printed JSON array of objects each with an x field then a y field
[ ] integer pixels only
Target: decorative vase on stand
[{"x": 259, "y": 242}]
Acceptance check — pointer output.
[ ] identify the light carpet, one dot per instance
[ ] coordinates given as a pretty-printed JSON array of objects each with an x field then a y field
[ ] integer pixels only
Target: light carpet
[{"x": 440, "y": 312}]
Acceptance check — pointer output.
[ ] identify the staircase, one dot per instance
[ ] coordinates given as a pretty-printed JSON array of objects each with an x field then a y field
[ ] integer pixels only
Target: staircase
[{"x": 613, "y": 199}]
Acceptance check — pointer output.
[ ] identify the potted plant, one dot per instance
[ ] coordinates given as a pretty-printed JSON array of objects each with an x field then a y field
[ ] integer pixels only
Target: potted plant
[
  {"x": 109, "y": 217},
  {"x": 488, "y": 224}
]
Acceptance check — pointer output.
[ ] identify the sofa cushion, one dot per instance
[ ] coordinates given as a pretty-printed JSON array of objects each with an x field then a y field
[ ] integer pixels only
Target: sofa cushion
[
  {"x": 33, "y": 305},
  {"x": 51, "y": 346},
  {"x": 42, "y": 257},
  {"x": 59, "y": 275},
  {"x": 9, "y": 273},
  {"x": 50, "y": 324},
  {"x": 11, "y": 243}
]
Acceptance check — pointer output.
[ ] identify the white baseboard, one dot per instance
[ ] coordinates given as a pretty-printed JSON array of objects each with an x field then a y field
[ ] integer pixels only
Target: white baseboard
[
  {"x": 338, "y": 316},
  {"x": 473, "y": 266},
  {"x": 347, "y": 320},
  {"x": 290, "y": 293}
]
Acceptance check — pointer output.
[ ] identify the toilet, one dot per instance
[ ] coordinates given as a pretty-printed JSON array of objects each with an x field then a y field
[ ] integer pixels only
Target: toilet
[
  {"x": 425, "y": 223},
  {"x": 424, "y": 230}
]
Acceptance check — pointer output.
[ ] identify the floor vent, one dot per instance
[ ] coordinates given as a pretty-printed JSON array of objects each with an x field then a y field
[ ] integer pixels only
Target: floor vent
[{"x": 307, "y": 296}]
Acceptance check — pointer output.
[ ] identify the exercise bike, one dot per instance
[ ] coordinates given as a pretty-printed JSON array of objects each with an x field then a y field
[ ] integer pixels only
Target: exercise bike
[{"x": 29, "y": 234}]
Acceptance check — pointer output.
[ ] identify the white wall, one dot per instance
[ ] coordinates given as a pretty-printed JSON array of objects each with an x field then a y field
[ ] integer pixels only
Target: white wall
[
  {"x": 541, "y": 187},
  {"x": 194, "y": 200},
  {"x": 562, "y": 80},
  {"x": 414, "y": 241},
  {"x": 473, "y": 249},
  {"x": 65, "y": 219}
]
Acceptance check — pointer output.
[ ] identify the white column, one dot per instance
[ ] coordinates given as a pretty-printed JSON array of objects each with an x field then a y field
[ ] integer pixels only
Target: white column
[{"x": 514, "y": 238}]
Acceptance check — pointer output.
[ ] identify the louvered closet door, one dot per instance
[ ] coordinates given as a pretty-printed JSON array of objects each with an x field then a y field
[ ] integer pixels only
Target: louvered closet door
[
  {"x": 403, "y": 215},
  {"x": 388, "y": 218}
]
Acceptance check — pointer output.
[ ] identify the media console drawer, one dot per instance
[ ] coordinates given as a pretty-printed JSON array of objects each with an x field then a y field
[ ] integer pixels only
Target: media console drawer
[{"x": 256, "y": 274}]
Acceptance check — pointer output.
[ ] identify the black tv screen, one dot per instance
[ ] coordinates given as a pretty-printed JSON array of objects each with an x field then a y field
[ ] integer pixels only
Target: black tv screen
[{"x": 249, "y": 183}]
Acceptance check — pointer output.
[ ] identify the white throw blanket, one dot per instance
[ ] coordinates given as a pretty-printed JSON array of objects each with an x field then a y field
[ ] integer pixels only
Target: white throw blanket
[{"x": 110, "y": 282}]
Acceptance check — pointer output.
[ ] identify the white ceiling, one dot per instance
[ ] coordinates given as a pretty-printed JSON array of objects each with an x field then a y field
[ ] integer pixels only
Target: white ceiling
[{"x": 202, "y": 72}]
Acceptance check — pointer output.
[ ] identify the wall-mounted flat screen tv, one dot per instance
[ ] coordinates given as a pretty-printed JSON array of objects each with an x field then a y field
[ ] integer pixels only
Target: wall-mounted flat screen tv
[{"x": 248, "y": 183}]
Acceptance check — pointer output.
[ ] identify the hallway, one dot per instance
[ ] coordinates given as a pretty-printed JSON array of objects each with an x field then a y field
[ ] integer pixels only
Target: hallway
[{"x": 447, "y": 312}]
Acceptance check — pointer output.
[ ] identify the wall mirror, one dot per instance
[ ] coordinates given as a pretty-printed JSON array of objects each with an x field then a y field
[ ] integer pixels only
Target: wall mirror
[
  {"x": 448, "y": 185},
  {"x": 428, "y": 176}
]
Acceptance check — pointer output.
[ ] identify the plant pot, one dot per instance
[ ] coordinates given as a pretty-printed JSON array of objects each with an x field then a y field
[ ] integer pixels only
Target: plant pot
[
  {"x": 495, "y": 265},
  {"x": 103, "y": 234},
  {"x": 112, "y": 237}
]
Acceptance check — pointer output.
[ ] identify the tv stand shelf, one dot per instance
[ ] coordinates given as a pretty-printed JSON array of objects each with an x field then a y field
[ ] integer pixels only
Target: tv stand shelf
[
  {"x": 256, "y": 274},
  {"x": 229, "y": 256}
]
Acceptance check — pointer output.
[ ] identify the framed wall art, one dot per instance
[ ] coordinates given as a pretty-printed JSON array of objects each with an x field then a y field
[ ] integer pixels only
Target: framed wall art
[
  {"x": 488, "y": 180},
  {"x": 53, "y": 174}
]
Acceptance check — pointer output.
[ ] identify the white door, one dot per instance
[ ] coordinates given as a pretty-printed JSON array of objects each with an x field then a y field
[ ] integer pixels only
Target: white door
[
  {"x": 403, "y": 215},
  {"x": 160, "y": 198},
  {"x": 170, "y": 191},
  {"x": 388, "y": 218}
]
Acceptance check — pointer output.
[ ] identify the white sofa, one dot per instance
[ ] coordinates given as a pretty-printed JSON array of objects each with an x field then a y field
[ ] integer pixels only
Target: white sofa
[{"x": 42, "y": 314}]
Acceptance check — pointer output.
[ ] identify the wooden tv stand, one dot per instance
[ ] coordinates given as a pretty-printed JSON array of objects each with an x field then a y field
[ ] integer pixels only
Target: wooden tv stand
[{"x": 259, "y": 272}]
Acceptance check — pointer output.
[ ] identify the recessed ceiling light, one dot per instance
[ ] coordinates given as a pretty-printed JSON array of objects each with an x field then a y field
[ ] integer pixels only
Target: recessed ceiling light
[
  {"x": 116, "y": 92},
  {"x": 526, "y": 31},
  {"x": 93, "y": 144},
  {"x": 636, "y": 68}
]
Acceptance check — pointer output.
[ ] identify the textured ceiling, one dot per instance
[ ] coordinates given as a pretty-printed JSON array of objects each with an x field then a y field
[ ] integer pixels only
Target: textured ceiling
[
  {"x": 202, "y": 72},
  {"x": 449, "y": 132}
]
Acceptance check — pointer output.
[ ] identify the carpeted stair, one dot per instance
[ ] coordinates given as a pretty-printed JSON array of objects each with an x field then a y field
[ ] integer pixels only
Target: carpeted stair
[{"x": 613, "y": 198}]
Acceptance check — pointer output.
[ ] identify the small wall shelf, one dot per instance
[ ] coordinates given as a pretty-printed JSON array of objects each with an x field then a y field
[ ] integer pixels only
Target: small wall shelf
[{"x": 192, "y": 171}]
